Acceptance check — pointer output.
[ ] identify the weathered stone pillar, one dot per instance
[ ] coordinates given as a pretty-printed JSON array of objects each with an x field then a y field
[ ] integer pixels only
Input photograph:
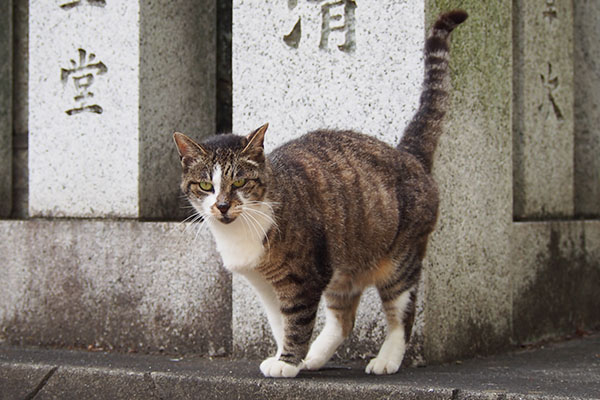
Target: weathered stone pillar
[
  {"x": 467, "y": 302},
  {"x": 6, "y": 126},
  {"x": 20, "y": 171},
  {"x": 543, "y": 121},
  {"x": 109, "y": 82},
  {"x": 587, "y": 107}
]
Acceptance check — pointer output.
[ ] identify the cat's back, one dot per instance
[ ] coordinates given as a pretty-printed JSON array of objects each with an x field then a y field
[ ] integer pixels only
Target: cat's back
[
  {"x": 346, "y": 156},
  {"x": 360, "y": 189},
  {"x": 335, "y": 151}
]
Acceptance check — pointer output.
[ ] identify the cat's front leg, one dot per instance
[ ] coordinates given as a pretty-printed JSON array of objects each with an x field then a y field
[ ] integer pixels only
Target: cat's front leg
[
  {"x": 298, "y": 319},
  {"x": 271, "y": 306}
]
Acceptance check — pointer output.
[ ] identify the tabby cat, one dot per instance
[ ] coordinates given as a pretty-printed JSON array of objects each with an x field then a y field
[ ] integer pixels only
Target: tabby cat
[{"x": 327, "y": 214}]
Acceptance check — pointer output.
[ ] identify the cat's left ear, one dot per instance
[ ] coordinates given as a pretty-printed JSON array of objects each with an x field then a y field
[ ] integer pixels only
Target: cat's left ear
[{"x": 255, "y": 144}]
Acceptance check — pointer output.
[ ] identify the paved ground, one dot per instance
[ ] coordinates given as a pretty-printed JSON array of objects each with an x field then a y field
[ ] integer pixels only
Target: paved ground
[{"x": 565, "y": 370}]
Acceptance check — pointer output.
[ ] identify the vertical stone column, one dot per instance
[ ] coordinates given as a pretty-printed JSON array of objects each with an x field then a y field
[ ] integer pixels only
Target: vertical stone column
[
  {"x": 587, "y": 108},
  {"x": 20, "y": 108},
  {"x": 314, "y": 64},
  {"x": 304, "y": 65},
  {"x": 6, "y": 130},
  {"x": 543, "y": 121},
  {"x": 109, "y": 81},
  {"x": 467, "y": 296}
]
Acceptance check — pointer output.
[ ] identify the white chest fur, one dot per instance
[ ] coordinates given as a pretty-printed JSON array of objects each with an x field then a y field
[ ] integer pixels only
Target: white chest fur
[{"x": 240, "y": 243}]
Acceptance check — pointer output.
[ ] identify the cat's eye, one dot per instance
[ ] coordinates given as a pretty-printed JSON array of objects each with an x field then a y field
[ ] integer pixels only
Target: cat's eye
[
  {"x": 239, "y": 183},
  {"x": 206, "y": 186}
]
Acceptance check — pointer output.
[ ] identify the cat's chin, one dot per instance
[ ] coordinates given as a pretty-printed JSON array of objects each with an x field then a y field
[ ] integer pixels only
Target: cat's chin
[{"x": 226, "y": 220}]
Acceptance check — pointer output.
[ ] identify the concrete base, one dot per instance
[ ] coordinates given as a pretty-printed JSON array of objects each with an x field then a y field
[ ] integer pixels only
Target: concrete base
[
  {"x": 556, "y": 276},
  {"x": 113, "y": 285},
  {"x": 566, "y": 370}
]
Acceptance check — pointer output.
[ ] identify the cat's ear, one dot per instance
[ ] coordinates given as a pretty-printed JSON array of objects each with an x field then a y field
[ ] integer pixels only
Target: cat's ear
[
  {"x": 255, "y": 144},
  {"x": 188, "y": 149}
]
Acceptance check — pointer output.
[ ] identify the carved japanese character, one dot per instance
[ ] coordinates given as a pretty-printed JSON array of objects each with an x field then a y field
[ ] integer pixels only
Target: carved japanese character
[{"x": 83, "y": 73}]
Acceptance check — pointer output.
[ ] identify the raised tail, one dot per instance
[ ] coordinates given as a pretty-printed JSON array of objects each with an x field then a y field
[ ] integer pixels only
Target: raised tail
[{"x": 422, "y": 133}]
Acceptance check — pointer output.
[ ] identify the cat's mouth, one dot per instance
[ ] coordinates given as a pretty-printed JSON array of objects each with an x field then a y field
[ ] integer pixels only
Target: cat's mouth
[{"x": 226, "y": 219}]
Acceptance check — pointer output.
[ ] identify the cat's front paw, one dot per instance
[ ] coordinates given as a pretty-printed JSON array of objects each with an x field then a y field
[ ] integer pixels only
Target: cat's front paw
[
  {"x": 314, "y": 362},
  {"x": 273, "y": 368},
  {"x": 382, "y": 366}
]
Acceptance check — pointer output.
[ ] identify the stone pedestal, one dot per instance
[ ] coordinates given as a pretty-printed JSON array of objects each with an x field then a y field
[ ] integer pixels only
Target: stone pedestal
[
  {"x": 109, "y": 82},
  {"x": 6, "y": 131},
  {"x": 543, "y": 131}
]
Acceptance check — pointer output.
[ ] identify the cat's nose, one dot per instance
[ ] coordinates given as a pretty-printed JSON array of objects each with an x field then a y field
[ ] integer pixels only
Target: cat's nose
[{"x": 223, "y": 207}]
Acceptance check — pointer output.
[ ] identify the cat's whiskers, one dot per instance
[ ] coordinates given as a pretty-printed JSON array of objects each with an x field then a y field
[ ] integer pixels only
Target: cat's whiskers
[
  {"x": 269, "y": 204},
  {"x": 250, "y": 205},
  {"x": 246, "y": 226},
  {"x": 252, "y": 218},
  {"x": 260, "y": 213},
  {"x": 202, "y": 225},
  {"x": 247, "y": 218},
  {"x": 193, "y": 217},
  {"x": 251, "y": 225},
  {"x": 197, "y": 218}
]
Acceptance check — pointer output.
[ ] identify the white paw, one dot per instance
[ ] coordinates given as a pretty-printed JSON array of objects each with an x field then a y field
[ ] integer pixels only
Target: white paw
[
  {"x": 381, "y": 366},
  {"x": 274, "y": 368},
  {"x": 313, "y": 362}
]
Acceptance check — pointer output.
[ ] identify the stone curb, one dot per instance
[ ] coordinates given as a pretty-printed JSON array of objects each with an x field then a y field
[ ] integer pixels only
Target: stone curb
[{"x": 568, "y": 370}]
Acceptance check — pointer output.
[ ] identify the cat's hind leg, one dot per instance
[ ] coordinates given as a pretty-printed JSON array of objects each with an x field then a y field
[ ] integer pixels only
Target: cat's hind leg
[
  {"x": 340, "y": 313},
  {"x": 399, "y": 311}
]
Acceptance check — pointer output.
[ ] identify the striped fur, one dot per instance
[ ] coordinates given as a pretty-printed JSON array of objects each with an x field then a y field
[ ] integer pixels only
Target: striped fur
[{"x": 326, "y": 215}]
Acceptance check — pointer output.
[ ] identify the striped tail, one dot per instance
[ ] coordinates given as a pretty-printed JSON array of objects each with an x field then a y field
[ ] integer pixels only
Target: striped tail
[{"x": 421, "y": 135}]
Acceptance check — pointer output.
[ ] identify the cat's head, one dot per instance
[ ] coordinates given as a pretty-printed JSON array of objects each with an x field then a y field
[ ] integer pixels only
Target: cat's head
[{"x": 223, "y": 174}]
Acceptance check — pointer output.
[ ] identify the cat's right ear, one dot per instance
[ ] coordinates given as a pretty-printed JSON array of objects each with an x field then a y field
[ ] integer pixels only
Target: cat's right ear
[{"x": 188, "y": 149}]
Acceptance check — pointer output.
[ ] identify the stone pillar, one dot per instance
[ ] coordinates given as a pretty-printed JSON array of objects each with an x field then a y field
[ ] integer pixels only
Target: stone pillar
[
  {"x": 6, "y": 127},
  {"x": 543, "y": 124},
  {"x": 587, "y": 108},
  {"x": 305, "y": 65},
  {"x": 467, "y": 301},
  {"x": 314, "y": 64},
  {"x": 109, "y": 82},
  {"x": 20, "y": 108}
]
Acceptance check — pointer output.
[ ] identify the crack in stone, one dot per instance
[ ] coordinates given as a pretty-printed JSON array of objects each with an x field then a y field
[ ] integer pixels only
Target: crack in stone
[
  {"x": 455, "y": 394},
  {"x": 41, "y": 385},
  {"x": 153, "y": 388}
]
